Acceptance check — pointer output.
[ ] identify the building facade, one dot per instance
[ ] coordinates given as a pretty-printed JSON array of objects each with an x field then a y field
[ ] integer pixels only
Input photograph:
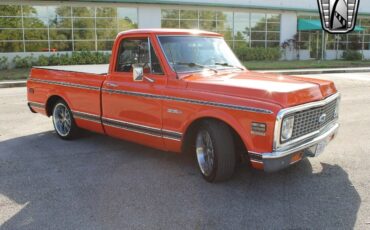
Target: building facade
[{"x": 41, "y": 27}]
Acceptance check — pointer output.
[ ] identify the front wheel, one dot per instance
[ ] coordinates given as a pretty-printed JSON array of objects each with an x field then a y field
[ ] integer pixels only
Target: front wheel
[
  {"x": 63, "y": 121},
  {"x": 215, "y": 151}
]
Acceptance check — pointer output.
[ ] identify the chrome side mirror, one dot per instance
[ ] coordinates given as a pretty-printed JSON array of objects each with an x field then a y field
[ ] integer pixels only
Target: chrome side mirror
[{"x": 138, "y": 73}]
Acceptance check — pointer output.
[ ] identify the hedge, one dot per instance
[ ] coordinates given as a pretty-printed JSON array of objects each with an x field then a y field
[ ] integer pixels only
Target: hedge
[
  {"x": 258, "y": 54},
  {"x": 76, "y": 58},
  {"x": 88, "y": 57},
  {"x": 3, "y": 63},
  {"x": 352, "y": 55}
]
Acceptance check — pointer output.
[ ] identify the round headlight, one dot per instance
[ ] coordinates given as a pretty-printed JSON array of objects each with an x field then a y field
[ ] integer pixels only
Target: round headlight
[{"x": 287, "y": 128}]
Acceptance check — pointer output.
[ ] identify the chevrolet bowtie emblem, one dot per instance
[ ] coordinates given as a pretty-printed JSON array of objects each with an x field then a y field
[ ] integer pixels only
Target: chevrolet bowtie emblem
[
  {"x": 338, "y": 16},
  {"x": 322, "y": 118}
]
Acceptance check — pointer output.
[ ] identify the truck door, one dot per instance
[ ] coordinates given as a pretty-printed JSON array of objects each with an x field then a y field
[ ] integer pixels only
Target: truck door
[{"x": 132, "y": 108}]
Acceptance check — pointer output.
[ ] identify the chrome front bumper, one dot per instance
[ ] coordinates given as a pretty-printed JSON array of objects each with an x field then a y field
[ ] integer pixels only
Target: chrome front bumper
[{"x": 282, "y": 158}]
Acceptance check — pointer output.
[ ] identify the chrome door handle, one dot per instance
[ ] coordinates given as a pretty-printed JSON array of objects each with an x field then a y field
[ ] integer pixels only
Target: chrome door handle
[
  {"x": 112, "y": 84},
  {"x": 149, "y": 79}
]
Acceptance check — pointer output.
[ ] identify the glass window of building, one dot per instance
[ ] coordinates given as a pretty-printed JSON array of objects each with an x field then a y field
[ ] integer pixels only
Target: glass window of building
[
  {"x": 41, "y": 28},
  {"x": 240, "y": 29}
]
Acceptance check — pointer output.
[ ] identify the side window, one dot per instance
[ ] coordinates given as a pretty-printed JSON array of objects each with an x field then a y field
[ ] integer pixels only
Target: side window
[
  {"x": 156, "y": 65},
  {"x": 132, "y": 52},
  {"x": 135, "y": 52}
]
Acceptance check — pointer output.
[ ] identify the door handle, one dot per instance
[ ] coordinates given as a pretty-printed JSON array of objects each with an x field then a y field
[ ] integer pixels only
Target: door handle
[
  {"x": 112, "y": 85},
  {"x": 149, "y": 79}
]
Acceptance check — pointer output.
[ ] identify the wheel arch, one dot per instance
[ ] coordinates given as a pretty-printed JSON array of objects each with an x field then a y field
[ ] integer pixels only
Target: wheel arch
[
  {"x": 240, "y": 137},
  {"x": 50, "y": 103}
]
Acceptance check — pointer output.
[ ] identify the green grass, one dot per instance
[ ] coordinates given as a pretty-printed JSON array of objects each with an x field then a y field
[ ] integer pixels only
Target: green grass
[
  {"x": 14, "y": 74},
  {"x": 275, "y": 65}
]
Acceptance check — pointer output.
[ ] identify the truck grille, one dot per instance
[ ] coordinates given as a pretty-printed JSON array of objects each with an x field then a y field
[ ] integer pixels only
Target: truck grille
[{"x": 307, "y": 121}]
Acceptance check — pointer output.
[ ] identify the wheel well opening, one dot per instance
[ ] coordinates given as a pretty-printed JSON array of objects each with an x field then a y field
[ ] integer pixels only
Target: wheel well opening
[
  {"x": 50, "y": 104},
  {"x": 189, "y": 139}
]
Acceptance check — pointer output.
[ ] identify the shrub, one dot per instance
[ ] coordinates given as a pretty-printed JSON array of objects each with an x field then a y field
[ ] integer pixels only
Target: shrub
[
  {"x": 258, "y": 54},
  {"x": 54, "y": 59},
  {"x": 64, "y": 59},
  {"x": 3, "y": 63},
  {"x": 87, "y": 57},
  {"x": 24, "y": 62},
  {"x": 352, "y": 55},
  {"x": 42, "y": 60}
]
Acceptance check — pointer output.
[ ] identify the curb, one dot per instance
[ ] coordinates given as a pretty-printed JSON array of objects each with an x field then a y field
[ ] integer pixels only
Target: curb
[{"x": 13, "y": 84}]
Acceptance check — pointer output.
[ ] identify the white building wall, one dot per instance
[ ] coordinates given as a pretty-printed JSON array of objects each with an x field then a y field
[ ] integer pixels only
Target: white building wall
[
  {"x": 288, "y": 26},
  {"x": 333, "y": 54},
  {"x": 149, "y": 16},
  {"x": 366, "y": 54}
]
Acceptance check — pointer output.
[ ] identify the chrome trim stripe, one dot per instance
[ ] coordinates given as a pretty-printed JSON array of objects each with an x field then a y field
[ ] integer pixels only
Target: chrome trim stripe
[
  {"x": 86, "y": 116},
  {"x": 156, "y": 96},
  {"x": 143, "y": 129},
  {"x": 67, "y": 84},
  {"x": 171, "y": 138},
  {"x": 37, "y": 105},
  {"x": 170, "y": 131},
  {"x": 284, "y": 112},
  {"x": 130, "y": 93},
  {"x": 171, "y": 135},
  {"x": 191, "y": 101},
  {"x": 131, "y": 124},
  {"x": 132, "y": 127},
  {"x": 129, "y": 128}
]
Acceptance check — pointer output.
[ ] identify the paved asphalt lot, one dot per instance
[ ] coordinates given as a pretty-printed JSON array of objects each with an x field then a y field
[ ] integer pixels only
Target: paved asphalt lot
[{"x": 98, "y": 182}]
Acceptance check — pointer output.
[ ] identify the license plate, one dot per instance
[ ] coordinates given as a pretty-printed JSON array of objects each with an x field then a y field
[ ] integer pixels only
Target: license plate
[{"x": 320, "y": 148}]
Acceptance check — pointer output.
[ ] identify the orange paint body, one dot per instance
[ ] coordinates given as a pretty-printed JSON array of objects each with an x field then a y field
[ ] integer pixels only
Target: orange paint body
[{"x": 159, "y": 114}]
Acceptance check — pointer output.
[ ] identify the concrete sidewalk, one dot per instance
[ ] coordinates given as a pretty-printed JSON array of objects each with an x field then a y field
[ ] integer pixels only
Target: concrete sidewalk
[
  {"x": 22, "y": 83},
  {"x": 11, "y": 84}
]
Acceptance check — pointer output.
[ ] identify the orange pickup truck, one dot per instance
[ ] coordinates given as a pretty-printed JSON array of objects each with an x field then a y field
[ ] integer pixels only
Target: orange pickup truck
[{"x": 185, "y": 91}]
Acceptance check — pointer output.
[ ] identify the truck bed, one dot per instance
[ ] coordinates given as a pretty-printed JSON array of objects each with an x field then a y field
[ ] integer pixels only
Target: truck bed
[{"x": 100, "y": 69}]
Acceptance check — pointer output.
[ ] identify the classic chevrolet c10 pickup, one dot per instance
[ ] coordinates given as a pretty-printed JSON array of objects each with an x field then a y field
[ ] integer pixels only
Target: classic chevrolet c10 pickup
[{"x": 185, "y": 91}]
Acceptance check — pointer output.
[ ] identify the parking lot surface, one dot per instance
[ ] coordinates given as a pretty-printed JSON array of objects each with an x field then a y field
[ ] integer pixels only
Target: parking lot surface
[{"x": 97, "y": 182}]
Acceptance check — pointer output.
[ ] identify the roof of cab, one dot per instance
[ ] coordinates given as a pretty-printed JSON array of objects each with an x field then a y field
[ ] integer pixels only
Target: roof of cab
[{"x": 170, "y": 32}]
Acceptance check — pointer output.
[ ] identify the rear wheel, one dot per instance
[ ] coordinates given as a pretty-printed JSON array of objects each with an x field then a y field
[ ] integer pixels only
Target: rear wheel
[
  {"x": 63, "y": 121},
  {"x": 215, "y": 151}
]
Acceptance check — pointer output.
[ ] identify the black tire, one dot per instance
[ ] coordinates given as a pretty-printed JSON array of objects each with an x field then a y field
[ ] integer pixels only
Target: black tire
[
  {"x": 224, "y": 159},
  {"x": 66, "y": 133}
]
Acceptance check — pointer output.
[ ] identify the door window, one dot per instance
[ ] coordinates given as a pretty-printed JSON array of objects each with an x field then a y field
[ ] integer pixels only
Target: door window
[{"x": 135, "y": 52}]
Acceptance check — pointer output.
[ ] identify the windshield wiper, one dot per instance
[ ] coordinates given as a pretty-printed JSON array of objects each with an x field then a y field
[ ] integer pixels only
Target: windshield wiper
[
  {"x": 192, "y": 64},
  {"x": 228, "y": 65}
]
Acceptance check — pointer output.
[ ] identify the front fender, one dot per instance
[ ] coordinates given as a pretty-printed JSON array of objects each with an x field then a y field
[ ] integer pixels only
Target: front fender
[{"x": 235, "y": 124}]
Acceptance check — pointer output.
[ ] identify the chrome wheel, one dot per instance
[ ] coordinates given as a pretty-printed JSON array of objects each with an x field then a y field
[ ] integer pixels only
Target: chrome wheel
[
  {"x": 205, "y": 152},
  {"x": 62, "y": 119}
]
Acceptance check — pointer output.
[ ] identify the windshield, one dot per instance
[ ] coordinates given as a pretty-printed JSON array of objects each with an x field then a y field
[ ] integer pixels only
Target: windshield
[{"x": 196, "y": 53}]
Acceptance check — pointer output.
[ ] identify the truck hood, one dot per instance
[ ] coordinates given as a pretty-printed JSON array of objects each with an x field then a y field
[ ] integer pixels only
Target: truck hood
[{"x": 287, "y": 91}]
